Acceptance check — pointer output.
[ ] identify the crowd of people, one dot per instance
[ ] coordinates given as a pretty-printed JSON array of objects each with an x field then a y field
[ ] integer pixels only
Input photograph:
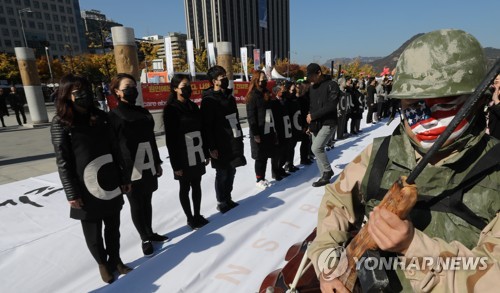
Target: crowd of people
[{"x": 89, "y": 142}]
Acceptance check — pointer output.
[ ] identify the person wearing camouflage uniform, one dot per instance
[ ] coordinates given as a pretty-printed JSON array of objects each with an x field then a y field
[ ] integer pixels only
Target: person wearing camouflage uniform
[{"x": 440, "y": 68}]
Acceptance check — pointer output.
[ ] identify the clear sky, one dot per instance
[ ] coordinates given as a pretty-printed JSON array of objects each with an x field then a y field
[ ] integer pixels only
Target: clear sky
[{"x": 324, "y": 29}]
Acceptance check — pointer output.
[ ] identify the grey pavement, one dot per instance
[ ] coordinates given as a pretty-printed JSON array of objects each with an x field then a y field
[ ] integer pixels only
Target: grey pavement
[{"x": 26, "y": 151}]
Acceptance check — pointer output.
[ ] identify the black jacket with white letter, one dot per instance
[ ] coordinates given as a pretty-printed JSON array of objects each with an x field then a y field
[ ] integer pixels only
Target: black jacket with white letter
[
  {"x": 134, "y": 127},
  {"x": 89, "y": 164},
  {"x": 182, "y": 122}
]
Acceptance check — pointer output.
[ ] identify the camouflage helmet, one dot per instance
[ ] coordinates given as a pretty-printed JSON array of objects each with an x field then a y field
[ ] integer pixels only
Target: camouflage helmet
[{"x": 441, "y": 63}]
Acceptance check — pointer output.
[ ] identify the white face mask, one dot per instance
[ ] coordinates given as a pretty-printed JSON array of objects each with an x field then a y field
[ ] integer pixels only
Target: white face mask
[{"x": 429, "y": 118}]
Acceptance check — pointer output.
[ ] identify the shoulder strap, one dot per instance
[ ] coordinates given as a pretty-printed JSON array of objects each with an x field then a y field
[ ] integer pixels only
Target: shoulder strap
[
  {"x": 452, "y": 201},
  {"x": 373, "y": 190}
]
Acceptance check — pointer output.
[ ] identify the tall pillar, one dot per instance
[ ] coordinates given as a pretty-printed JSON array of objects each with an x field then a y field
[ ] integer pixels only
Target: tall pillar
[
  {"x": 225, "y": 59},
  {"x": 31, "y": 83},
  {"x": 126, "y": 57}
]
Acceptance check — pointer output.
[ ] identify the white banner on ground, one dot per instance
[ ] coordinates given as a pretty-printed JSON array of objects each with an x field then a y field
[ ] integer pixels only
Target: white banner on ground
[
  {"x": 168, "y": 58},
  {"x": 244, "y": 61},
  {"x": 211, "y": 55},
  {"x": 190, "y": 57},
  {"x": 269, "y": 64}
]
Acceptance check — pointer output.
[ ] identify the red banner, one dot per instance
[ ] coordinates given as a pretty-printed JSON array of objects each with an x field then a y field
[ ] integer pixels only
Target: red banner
[{"x": 155, "y": 95}]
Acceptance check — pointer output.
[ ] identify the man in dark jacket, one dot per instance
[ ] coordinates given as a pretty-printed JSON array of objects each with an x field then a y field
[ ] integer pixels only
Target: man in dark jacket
[
  {"x": 322, "y": 118},
  {"x": 222, "y": 135},
  {"x": 17, "y": 103}
]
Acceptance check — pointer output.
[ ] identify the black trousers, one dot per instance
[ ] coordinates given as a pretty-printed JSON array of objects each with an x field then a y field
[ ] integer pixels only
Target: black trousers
[
  {"x": 305, "y": 147},
  {"x": 260, "y": 169},
  {"x": 290, "y": 154},
  {"x": 185, "y": 185},
  {"x": 224, "y": 179},
  {"x": 141, "y": 211},
  {"x": 92, "y": 231},
  {"x": 20, "y": 110}
]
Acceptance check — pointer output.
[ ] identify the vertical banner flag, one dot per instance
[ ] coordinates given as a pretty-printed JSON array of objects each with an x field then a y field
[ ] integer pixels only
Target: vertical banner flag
[
  {"x": 269, "y": 64},
  {"x": 263, "y": 13},
  {"x": 256, "y": 59},
  {"x": 244, "y": 60},
  {"x": 190, "y": 57},
  {"x": 169, "y": 59},
  {"x": 211, "y": 55}
]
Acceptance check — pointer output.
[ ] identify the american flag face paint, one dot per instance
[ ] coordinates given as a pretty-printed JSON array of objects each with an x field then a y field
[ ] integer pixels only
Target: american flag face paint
[{"x": 429, "y": 118}]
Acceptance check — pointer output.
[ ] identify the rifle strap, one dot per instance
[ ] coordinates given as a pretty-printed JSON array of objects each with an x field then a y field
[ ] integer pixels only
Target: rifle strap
[{"x": 450, "y": 201}]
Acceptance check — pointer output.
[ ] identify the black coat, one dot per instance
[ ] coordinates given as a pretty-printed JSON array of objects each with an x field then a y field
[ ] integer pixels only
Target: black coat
[
  {"x": 356, "y": 111},
  {"x": 3, "y": 106},
  {"x": 16, "y": 101},
  {"x": 221, "y": 129},
  {"x": 182, "y": 122},
  {"x": 257, "y": 111},
  {"x": 134, "y": 127},
  {"x": 323, "y": 104},
  {"x": 293, "y": 108},
  {"x": 281, "y": 121},
  {"x": 90, "y": 165}
]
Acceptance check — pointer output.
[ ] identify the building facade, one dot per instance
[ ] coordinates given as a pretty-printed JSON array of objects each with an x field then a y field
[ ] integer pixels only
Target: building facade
[
  {"x": 255, "y": 24},
  {"x": 55, "y": 24},
  {"x": 178, "y": 41},
  {"x": 97, "y": 29}
]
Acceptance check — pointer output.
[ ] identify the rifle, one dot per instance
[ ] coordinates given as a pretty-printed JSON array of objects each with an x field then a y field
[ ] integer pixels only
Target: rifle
[{"x": 402, "y": 196}]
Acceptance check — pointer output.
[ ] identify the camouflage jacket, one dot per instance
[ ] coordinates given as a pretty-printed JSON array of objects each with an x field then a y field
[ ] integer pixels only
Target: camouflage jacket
[{"x": 440, "y": 234}]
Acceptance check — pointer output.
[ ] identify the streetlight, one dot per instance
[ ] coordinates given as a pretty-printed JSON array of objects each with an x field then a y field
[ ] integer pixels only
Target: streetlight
[
  {"x": 48, "y": 62},
  {"x": 27, "y": 10}
]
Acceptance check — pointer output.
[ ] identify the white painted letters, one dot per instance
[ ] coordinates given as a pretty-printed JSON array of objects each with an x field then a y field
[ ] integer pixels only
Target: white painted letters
[{"x": 92, "y": 182}]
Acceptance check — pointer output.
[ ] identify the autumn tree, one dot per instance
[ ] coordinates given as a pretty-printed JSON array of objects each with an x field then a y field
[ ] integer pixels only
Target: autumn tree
[{"x": 9, "y": 69}]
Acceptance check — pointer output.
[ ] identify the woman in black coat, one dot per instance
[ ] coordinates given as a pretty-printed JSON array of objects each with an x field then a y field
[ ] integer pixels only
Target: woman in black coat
[
  {"x": 91, "y": 171},
  {"x": 263, "y": 136},
  {"x": 134, "y": 127},
  {"x": 182, "y": 120}
]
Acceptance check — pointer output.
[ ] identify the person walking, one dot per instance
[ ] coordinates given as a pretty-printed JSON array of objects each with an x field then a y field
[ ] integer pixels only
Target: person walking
[
  {"x": 322, "y": 118},
  {"x": 134, "y": 128},
  {"x": 3, "y": 106},
  {"x": 183, "y": 125},
  {"x": 17, "y": 103},
  {"x": 92, "y": 171},
  {"x": 222, "y": 135}
]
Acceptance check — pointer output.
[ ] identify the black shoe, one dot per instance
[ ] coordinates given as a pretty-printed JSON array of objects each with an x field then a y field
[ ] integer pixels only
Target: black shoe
[
  {"x": 324, "y": 180},
  {"x": 105, "y": 273},
  {"x": 158, "y": 238},
  {"x": 306, "y": 162},
  {"x": 277, "y": 177},
  {"x": 283, "y": 173},
  {"x": 223, "y": 208},
  {"x": 232, "y": 204},
  {"x": 200, "y": 221},
  {"x": 191, "y": 223},
  {"x": 291, "y": 168},
  {"x": 147, "y": 248}
]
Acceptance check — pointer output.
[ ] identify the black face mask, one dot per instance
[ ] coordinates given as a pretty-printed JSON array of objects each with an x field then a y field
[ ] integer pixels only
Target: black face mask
[
  {"x": 186, "y": 92},
  {"x": 84, "y": 99},
  {"x": 263, "y": 84},
  {"x": 130, "y": 95},
  {"x": 224, "y": 83}
]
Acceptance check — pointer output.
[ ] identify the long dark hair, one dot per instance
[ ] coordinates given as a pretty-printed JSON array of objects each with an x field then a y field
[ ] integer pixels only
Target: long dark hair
[
  {"x": 255, "y": 83},
  {"x": 64, "y": 104}
]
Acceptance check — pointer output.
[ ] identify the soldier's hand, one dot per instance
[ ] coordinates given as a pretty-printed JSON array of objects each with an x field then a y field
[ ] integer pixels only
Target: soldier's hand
[
  {"x": 332, "y": 286},
  {"x": 389, "y": 231}
]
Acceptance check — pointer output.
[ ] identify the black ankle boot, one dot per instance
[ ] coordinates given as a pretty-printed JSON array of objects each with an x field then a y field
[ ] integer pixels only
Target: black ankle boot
[{"x": 324, "y": 180}]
